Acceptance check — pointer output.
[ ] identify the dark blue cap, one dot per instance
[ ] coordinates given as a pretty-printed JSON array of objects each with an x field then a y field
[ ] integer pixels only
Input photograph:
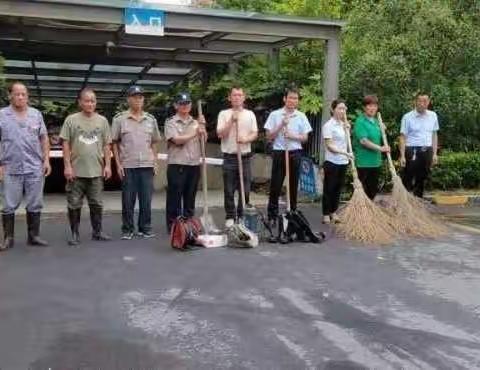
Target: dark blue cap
[
  {"x": 134, "y": 90},
  {"x": 183, "y": 98}
]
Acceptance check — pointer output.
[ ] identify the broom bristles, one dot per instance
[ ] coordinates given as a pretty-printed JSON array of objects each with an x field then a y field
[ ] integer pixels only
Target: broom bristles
[
  {"x": 363, "y": 221},
  {"x": 413, "y": 213}
]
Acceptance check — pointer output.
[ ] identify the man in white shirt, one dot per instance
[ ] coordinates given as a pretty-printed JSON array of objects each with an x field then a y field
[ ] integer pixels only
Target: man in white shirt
[
  {"x": 418, "y": 144},
  {"x": 228, "y": 121},
  {"x": 286, "y": 127}
]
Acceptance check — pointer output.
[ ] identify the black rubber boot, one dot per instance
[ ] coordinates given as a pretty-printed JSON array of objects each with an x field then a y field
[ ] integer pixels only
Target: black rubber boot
[
  {"x": 272, "y": 225},
  {"x": 282, "y": 232},
  {"x": 96, "y": 220},
  {"x": 74, "y": 219},
  {"x": 33, "y": 227},
  {"x": 8, "y": 232}
]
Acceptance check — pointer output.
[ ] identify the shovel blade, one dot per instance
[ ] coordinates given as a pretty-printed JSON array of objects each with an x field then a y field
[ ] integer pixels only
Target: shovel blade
[
  {"x": 209, "y": 225},
  {"x": 212, "y": 241}
]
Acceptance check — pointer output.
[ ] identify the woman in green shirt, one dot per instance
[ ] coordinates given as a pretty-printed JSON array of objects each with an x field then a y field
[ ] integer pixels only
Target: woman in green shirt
[{"x": 368, "y": 146}]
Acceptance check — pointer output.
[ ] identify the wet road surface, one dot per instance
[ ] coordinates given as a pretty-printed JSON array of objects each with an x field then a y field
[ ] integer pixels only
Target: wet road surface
[{"x": 140, "y": 305}]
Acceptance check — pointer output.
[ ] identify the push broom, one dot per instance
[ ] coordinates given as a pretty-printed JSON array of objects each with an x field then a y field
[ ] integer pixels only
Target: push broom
[
  {"x": 361, "y": 219},
  {"x": 414, "y": 217},
  {"x": 211, "y": 236}
]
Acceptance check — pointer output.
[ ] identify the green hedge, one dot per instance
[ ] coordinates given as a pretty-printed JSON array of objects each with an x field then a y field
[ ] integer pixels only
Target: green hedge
[{"x": 456, "y": 171}]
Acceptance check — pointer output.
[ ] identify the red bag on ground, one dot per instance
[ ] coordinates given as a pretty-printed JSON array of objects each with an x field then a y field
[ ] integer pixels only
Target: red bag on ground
[{"x": 185, "y": 232}]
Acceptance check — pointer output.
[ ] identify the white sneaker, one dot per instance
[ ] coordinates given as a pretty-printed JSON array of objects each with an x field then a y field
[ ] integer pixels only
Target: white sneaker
[{"x": 229, "y": 223}]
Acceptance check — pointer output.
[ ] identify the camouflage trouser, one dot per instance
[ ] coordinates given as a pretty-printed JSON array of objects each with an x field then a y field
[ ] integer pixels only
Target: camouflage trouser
[{"x": 84, "y": 186}]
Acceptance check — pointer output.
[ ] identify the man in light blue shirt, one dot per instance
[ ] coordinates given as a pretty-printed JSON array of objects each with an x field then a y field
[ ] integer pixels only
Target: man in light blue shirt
[
  {"x": 288, "y": 128},
  {"x": 418, "y": 144}
]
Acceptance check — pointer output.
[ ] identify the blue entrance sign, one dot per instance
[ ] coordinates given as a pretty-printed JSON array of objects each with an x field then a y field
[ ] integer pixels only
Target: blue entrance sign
[
  {"x": 307, "y": 182},
  {"x": 144, "y": 21}
]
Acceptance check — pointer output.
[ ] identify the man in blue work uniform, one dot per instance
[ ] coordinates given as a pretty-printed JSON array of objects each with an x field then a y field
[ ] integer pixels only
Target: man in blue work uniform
[
  {"x": 23, "y": 165},
  {"x": 288, "y": 128}
]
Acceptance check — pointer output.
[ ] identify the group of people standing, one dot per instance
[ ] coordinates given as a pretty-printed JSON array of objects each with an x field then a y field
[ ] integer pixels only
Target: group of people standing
[
  {"x": 418, "y": 149},
  {"x": 237, "y": 128},
  {"x": 88, "y": 142}
]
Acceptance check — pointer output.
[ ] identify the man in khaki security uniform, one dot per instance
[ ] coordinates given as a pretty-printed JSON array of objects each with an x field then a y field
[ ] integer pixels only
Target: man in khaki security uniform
[
  {"x": 183, "y": 135},
  {"x": 135, "y": 135}
]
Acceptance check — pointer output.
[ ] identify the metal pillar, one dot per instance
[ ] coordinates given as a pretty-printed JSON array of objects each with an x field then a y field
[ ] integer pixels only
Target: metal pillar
[
  {"x": 330, "y": 81},
  {"x": 232, "y": 68},
  {"x": 274, "y": 58}
]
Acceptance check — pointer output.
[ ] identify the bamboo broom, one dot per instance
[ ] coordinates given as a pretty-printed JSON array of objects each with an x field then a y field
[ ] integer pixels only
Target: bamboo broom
[
  {"x": 414, "y": 217},
  {"x": 361, "y": 219}
]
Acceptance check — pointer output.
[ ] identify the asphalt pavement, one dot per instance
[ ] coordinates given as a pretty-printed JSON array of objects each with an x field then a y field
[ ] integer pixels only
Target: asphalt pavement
[{"x": 141, "y": 305}]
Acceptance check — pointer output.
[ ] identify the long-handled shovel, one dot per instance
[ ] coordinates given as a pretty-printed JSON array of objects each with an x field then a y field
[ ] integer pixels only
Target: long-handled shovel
[
  {"x": 206, "y": 218},
  {"x": 285, "y": 217},
  {"x": 293, "y": 225},
  {"x": 211, "y": 236},
  {"x": 240, "y": 235}
]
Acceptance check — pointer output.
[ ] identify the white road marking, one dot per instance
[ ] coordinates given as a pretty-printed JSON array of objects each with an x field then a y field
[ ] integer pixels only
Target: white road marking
[{"x": 297, "y": 299}]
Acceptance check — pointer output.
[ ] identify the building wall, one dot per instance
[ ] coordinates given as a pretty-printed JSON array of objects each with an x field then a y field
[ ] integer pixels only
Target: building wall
[{"x": 261, "y": 169}]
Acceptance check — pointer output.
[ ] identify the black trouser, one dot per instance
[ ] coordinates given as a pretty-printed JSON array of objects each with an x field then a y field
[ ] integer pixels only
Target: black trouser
[
  {"x": 231, "y": 183},
  {"x": 369, "y": 177},
  {"x": 181, "y": 191},
  {"x": 417, "y": 168},
  {"x": 333, "y": 181},
  {"x": 278, "y": 175},
  {"x": 137, "y": 181}
]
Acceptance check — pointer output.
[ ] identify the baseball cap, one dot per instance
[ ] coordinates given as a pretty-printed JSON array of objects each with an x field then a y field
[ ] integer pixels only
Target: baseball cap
[
  {"x": 183, "y": 98},
  {"x": 134, "y": 90}
]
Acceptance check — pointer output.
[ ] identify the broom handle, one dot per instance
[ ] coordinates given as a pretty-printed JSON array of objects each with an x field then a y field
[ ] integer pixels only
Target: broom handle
[
  {"x": 287, "y": 169},
  {"x": 385, "y": 142},
  {"x": 240, "y": 167},
  {"x": 204, "y": 166},
  {"x": 350, "y": 151}
]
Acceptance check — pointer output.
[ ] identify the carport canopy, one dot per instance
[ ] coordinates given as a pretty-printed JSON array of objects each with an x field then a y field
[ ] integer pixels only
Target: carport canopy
[{"x": 59, "y": 46}]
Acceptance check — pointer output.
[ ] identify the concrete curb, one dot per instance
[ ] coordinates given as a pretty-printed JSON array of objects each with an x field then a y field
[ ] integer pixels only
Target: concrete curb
[{"x": 455, "y": 199}]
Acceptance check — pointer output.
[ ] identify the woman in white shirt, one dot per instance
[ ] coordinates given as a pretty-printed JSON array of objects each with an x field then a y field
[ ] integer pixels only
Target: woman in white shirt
[{"x": 336, "y": 160}]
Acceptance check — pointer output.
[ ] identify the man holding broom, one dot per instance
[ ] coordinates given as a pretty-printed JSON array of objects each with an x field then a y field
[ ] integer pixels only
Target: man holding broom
[
  {"x": 183, "y": 134},
  {"x": 246, "y": 122},
  {"x": 418, "y": 144},
  {"x": 286, "y": 126}
]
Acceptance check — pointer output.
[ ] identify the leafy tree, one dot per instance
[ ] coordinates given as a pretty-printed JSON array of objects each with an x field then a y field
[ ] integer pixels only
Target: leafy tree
[
  {"x": 392, "y": 48},
  {"x": 423, "y": 45}
]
